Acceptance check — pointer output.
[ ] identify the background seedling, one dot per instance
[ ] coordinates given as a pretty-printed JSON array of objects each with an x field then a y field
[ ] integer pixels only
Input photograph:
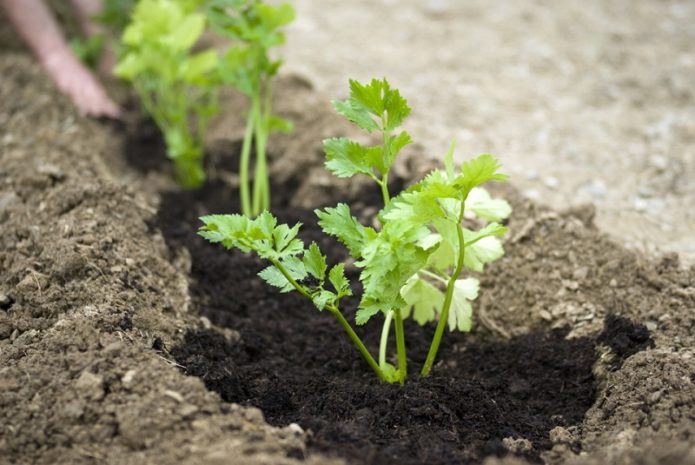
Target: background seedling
[
  {"x": 177, "y": 87},
  {"x": 254, "y": 28}
]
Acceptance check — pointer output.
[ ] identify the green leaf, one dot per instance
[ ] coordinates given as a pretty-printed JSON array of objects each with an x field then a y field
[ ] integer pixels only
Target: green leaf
[
  {"x": 322, "y": 298},
  {"x": 395, "y": 145},
  {"x": 274, "y": 277},
  {"x": 278, "y": 124},
  {"x": 479, "y": 170},
  {"x": 275, "y": 17},
  {"x": 357, "y": 115},
  {"x": 485, "y": 250},
  {"x": 187, "y": 32},
  {"x": 340, "y": 283},
  {"x": 397, "y": 108},
  {"x": 198, "y": 65},
  {"x": 346, "y": 158},
  {"x": 461, "y": 312},
  {"x": 315, "y": 262},
  {"x": 338, "y": 222},
  {"x": 286, "y": 243},
  {"x": 422, "y": 298},
  {"x": 364, "y": 313},
  {"x": 491, "y": 229},
  {"x": 479, "y": 203},
  {"x": 368, "y": 96}
]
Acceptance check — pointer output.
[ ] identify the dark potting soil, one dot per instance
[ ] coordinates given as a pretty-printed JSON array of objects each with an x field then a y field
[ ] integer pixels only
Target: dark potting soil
[{"x": 296, "y": 364}]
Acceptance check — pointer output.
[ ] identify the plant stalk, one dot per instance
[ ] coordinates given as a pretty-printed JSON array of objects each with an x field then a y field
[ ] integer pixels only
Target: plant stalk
[
  {"x": 400, "y": 347},
  {"x": 383, "y": 342},
  {"x": 343, "y": 322},
  {"x": 437, "y": 339},
  {"x": 358, "y": 342},
  {"x": 244, "y": 163}
]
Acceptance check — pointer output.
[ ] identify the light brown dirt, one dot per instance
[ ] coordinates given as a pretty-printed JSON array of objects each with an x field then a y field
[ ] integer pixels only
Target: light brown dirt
[{"x": 588, "y": 101}]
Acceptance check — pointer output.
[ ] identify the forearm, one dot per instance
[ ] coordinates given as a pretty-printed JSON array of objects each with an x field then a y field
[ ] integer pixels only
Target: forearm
[{"x": 36, "y": 24}]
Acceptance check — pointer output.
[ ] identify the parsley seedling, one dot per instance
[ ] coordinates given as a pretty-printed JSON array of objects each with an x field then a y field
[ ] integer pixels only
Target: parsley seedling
[
  {"x": 412, "y": 262},
  {"x": 178, "y": 87},
  {"x": 254, "y": 28}
]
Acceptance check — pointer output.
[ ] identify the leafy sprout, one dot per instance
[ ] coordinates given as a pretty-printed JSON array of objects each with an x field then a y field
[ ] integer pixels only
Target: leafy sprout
[
  {"x": 178, "y": 87},
  {"x": 411, "y": 264},
  {"x": 254, "y": 28}
]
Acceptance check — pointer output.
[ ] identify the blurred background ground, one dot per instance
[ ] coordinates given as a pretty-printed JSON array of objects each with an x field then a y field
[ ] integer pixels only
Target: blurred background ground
[{"x": 590, "y": 101}]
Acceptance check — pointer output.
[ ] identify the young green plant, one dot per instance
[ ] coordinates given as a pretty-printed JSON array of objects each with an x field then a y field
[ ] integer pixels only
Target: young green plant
[
  {"x": 177, "y": 87},
  {"x": 254, "y": 28},
  {"x": 411, "y": 263}
]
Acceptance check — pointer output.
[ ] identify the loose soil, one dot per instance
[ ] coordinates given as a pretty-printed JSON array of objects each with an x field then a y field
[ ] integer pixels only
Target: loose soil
[{"x": 100, "y": 320}]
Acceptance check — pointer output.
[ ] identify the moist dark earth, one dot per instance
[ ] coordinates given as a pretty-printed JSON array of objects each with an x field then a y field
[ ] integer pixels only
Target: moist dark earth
[{"x": 297, "y": 365}]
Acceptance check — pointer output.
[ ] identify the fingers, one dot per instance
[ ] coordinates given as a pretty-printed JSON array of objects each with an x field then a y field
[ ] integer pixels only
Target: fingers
[{"x": 81, "y": 86}]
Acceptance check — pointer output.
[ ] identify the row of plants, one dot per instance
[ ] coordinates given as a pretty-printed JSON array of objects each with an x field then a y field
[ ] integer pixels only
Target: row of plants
[
  {"x": 411, "y": 261},
  {"x": 179, "y": 84}
]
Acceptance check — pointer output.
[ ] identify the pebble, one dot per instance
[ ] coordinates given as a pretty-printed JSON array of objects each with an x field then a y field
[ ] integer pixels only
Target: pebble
[
  {"x": 127, "y": 378},
  {"x": 551, "y": 182},
  {"x": 295, "y": 428},
  {"x": 651, "y": 326},
  {"x": 173, "y": 395},
  {"x": 90, "y": 385},
  {"x": 580, "y": 274},
  {"x": 596, "y": 189},
  {"x": 5, "y": 301}
]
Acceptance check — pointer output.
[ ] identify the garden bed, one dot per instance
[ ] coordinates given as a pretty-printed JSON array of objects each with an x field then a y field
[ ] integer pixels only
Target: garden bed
[{"x": 115, "y": 317}]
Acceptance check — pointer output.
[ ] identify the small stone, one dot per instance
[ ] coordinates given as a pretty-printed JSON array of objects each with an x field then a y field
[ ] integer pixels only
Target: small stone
[
  {"x": 571, "y": 285},
  {"x": 127, "y": 378},
  {"x": 551, "y": 182},
  {"x": 613, "y": 283},
  {"x": 545, "y": 314},
  {"x": 90, "y": 385},
  {"x": 650, "y": 325},
  {"x": 295, "y": 428},
  {"x": 655, "y": 396},
  {"x": 580, "y": 274},
  {"x": 5, "y": 301},
  {"x": 640, "y": 204},
  {"x": 129, "y": 262},
  {"x": 187, "y": 410},
  {"x": 173, "y": 395}
]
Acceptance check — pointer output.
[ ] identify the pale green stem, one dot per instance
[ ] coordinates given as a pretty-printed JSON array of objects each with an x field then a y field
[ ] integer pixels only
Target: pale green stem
[
  {"x": 432, "y": 354},
  {"x": 341, "y": 319},
  {"x": 244, "y": 163},
  {"x": 383, "y": 343},
  {"x": 260, "y": 180},
  {"x": 400, "y": 347}
]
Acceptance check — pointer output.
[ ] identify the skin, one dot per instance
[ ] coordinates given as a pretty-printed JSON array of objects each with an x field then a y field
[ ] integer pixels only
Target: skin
[{"x": 35, "y": 23}]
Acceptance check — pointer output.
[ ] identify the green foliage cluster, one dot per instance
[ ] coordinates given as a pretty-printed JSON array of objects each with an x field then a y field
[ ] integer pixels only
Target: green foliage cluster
[
  {"x": 253, "y": 28},
  {"x": 411, "y": 264},
  {"x": 177, "y": 86}
]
